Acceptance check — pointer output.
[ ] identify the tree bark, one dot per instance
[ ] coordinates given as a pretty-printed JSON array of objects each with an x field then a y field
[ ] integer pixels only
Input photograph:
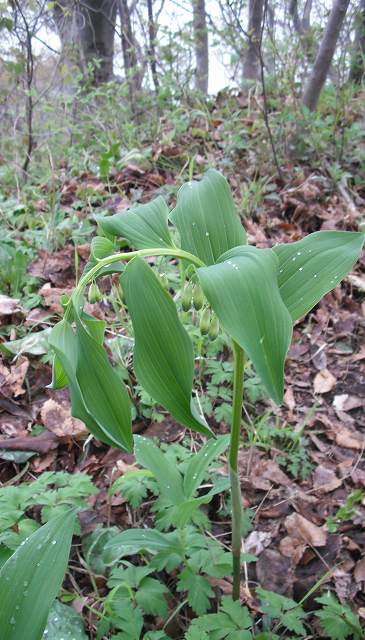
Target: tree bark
[
  {"x": 318, "y": 75},
  {"x": 97, "y": 37},
  {"x": 201, "y": 46},
  {"x": 151, "y": 45},
  {"x": 131, "y": 71},
  {"x": 251, "y": 65},
  {"x": 86, "y": 31},
  {"x": 357, "y": 68},
  {"x": 301, "y": 24}
]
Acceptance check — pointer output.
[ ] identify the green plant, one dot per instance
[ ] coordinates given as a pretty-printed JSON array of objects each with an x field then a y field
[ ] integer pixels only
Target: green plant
[
  {"x": 256, "y": 294},
  {"x": 346, "y": 512},
  {"x": 55, "y": 492}
]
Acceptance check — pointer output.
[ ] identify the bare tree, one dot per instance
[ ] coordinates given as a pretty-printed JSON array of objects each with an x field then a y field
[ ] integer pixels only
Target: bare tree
[
  {"x": 318, "y": 75},
  {"x": 357, "y": 68},
  {"x": 86, "y": 30},
  {"x": 251, "y": 64},
  {"x": 201, "y": 46}
]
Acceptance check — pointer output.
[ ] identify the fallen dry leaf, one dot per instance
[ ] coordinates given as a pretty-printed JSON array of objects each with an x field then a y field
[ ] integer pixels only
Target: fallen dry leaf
[
  {"x": 357, "y": 282},
  {"x": 266, "y": 473},
  {"x": 359, "y": 571},
  {"x": 345, "y": 402},
  {"x": 11, "y": 380},
  {"x": 8, "y": 306},
  {"x": 274, "y": 571},
  {"x": 56, "y": 417},
  {"x": 349, "y": 439},
  {"x": 325, "y": 479},
  {"x": 256, "y": 541},
  {"x": 292, "y": 548},
  {"x": 324, "y": 381},
  {"x": 304, "y": 530}
]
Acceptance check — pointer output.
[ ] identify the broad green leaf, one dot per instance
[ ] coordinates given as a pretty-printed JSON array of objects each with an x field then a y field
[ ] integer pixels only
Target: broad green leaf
[
  {"x": 35, "y": 343},
  {"x": 67, "y": 348},
  {"x": 163, "y": 353},
  {"x": 63, "y": 622},
  {"x": 167, "y": 475},
  {"x": 104, "y": 394},
  {"x": 101, "y": 248},
  {"x": 310, "y": 268},
  {"x": 199, "y": 463},
  {"x": 31, "y": 578},
  {"x": 243, "y": 291},
  {"x": 134, "y": 541},
  {"x": 144, "y": 226},
  {"x": 206, "y": 219}
]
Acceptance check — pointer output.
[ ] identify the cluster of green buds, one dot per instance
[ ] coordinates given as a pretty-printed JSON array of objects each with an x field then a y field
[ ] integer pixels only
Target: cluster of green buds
[
  {"x": 193, "y": 297},
  {"x": 94, "y": 294}
]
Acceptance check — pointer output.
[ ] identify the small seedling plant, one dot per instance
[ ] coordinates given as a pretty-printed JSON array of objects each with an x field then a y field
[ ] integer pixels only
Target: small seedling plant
[{"x": 254, "y": 294}]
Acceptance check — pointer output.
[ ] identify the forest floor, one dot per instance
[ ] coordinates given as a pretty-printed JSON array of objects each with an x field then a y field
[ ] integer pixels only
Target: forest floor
[{"x": 304, "y": 475}]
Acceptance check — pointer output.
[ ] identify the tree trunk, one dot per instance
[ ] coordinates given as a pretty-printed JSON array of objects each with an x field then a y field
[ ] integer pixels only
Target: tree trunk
[
  {"x": 129, "y": 53},
  {"x": 251, "y": 65},
  {"x": 97, "y": 37},
  {"x": 151, "y": 45},
  {"x": 201, "y": 46},
  {"x": 86, "y": 32},
  {"x": 357, "y": 68},
  {"x": 318, "y": 75}
]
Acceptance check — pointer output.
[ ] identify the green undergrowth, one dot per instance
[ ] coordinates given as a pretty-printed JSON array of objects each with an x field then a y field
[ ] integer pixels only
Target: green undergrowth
[{"x": 165, "y": 573}]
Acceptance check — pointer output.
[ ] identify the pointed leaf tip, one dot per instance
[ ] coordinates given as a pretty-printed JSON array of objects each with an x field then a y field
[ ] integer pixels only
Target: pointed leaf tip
[
  {"x": 144, "y": 226},
  {"x": 163, "y": 353},
  {"x": 206, "y": 219},
  {"x": 310, "y": 268},
  {"x": 243, "y": 291}
]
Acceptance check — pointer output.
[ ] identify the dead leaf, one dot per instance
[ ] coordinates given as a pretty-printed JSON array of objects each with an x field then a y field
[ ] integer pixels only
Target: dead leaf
[
  {"x": 325, "y": 479},
  {"x": 266, "y": 473},
  {"x": 345, "y": 402},
  {"x": 56, "y": 417},
  {"x": 11, "y": 380},
  {"x": 289, "y": 399},
  {"x": 349, "y": 439},
  {"x": 324, "y": 381},
  {"x": 41, "y": 463},
  {"x": 256, "y": 541},
  {"x": 52, "y": 296},
  {"x": 359, "y": 571},
  {"x": 274, "y": 571},
  {"x": 8, "y": 306},
  {"x": 302, "y": 529},
  {"x": 292, "y": 548},
  {"x": 357, "y": 282}
]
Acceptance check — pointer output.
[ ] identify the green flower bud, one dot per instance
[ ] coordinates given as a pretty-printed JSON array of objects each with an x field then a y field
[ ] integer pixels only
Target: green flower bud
[
  {"x": 198, "y": 297},
  {"x": 164, "y": 280},
  {"x": 214, "y": 328},
  {"x": 205, "y": 321},
  {"x": 186, "y": 297},
  {"x": 94, "y": 294},
  {"x": 64, "y": 300}
]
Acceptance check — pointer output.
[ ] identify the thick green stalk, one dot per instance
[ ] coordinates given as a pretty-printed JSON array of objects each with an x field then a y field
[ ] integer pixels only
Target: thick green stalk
[
  {"x": 119, "y": 257},
  {"x": 233, "y": 467}
]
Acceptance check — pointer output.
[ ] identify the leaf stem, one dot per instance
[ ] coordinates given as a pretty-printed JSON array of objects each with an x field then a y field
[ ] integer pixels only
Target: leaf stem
[
  {"x": 236, "y": 499},
  {"x": 118, "y": 257}
]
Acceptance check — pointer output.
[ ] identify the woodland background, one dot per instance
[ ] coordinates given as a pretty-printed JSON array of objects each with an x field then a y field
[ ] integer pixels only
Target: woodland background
[{"x": 106, "y": 103}]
